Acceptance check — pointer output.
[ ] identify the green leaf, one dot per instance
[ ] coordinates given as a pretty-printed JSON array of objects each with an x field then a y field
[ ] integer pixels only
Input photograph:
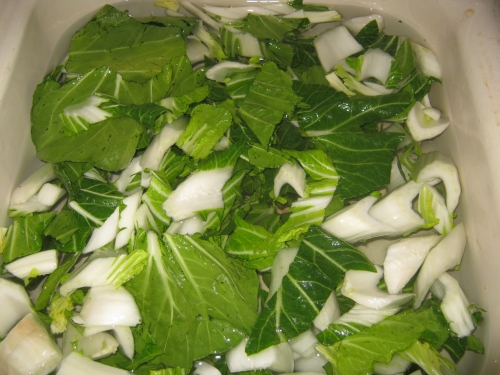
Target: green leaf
[
  {"x": 71, "y": 175},
  {"x": 98, "y": 199},
  {"x": 279, "y": 53},
  {"x": 428, "y": 358},
  {"x": 208, "y": 303},
  {"x": 222, "y": 159},
  {"x": 263, "y": 157},
  {"x": 329, "y": 113},
  {"x": 145, "y": 113},
  {"x": 269, "y": 27},
  {"x": 269, "y": 98},
  {"x": 357, "y": 353},
  {"x": 53, "y": 281},
  {"x": 206, "y": 126},
  {"x": 135, "y": 50},
  {"x": 298, "y": 4},
  {"x": 24, "y": 236},
  {"x": 245, "y": 244},
  {"x": 63, "y": 226},
  {"x": 369, "y": 35},
  {"x": 362, "y": 160},
  {"x": 321, "y": 261},
  {"x": 157, "y": 193},
  {"x": 238, "y": 84},
  {"x": 315, "y": 163}
]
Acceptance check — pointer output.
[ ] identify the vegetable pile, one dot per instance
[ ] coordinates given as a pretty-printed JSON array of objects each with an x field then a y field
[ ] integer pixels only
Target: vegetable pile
[{"x": 206, "y": 180}]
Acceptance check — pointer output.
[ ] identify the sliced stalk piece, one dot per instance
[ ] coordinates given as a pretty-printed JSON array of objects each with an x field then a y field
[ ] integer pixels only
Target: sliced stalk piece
[
  {"x": 404, "y": 258},
  {"x": 426, "y": 61},
  {"x": 220, "y": 71},
  {"x": 328, "y": 314},
  {"x": 238, "y": 13},
  {"x": 335, "y": 82},
  {"x": 361, "y": 286},
  {"x": 237, "y": 42},
  {"x": 97, "y": 346},
  {"x": 455, "y": 306},
  {"x": 396, "y": 208},
  {"x": 201, "y": 191},
  {"x": 376, "y": 64},
  {"x": 353, "y": 84},
  {"x": 33, "y": 265},
  {"x": 123, "y": 335},
  {"x": 160, "y": 144},
  {"x": 292, "y": 174},
  {"x": 198, "y": 13},
  {"x": 108, "y": 305},
  {"x": 30, "y": 206},
  {"x": 205, "y": 37},
  {"x": 282, "y": 8},
  {"x": 277, "y": 358},
  {"x": 316, "y": 17},
  {"x": 205, "y": 368},
  {"x": 444, "y": 256},
  {"x": 106, "y": 271},
  {"x": 356, "y": 24},
  {"x": 280, "y": 267},
  {"x": 365, "y": 316},
  {"x": 126, "y": 221},
  {"x": 15, "y": 304},
  {"x": 145, "y": 220},
  {"x": 334, "y": 45},
  {"x": 29, "y": 349},
  {"x": 353, "y": 223},
  {"x": 397, "y": 178},
  {"x": 50, "y": 194},
  {"x": 104, "y": 234},
  {"x": 436, "y": 166},
  {"x": 432, "y": 207},
  {"x": 192, "y": 225},
  {"x": 32, "y": 184},
  {"x": 424, "y": 123},
  {"x": 196, "y": 50},
  {"x": 313, "y": 364},
  {"x": 303, "y": 345},
  {"x": 382, "y": 90},
  {"x": 128, "y": 173},
  {"x": 77, "y": 364}
]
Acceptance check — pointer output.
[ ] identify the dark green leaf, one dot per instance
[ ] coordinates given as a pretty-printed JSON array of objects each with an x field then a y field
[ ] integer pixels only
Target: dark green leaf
[
  {"x": 53, "y": 281},
  {"x": 363, "y": 160},
  {"x": 369, "y": 35},
  {"x": 269, "y": 27},
  {"x": 321, "y": 261}
]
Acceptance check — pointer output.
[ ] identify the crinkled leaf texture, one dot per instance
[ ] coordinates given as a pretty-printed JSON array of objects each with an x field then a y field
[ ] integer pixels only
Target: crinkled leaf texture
[
  {"x": 318, "y": 267},
  {"x": 193, "y": 299}
]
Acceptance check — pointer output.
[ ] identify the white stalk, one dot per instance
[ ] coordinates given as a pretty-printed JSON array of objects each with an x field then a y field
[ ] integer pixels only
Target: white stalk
[
  {"x": 292, "y": 174},
  {"x": 404, "y": 258},
  {"x": 126, "y": 221},
  {"x": 108, "y": 305},
  {"x": 32, "y": 184},
  {"x": 353, "y": 223},
  {"x": 361, "y": 286},
  {"x": 50, "y": 194},
  {"x": 201, "y": 191},
  {"x": 15, "y": 304},
  {"x": 334, "y": 45},
  {"x": 444, "y": 256},
  {"x": 77, "y": 364},
  {"x": 104, "y": 234},
  {"x": 33, "y": 265},
  {"x": 29, "y": 349}
]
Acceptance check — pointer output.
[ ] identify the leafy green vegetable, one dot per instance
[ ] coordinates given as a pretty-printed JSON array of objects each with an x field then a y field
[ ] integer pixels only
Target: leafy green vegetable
[
  {"x": 207, "y": 302},
  {"x": 138, "y": 57},
  {"x": 321, "y": 261},
  {"x": 25, "y": 236}
]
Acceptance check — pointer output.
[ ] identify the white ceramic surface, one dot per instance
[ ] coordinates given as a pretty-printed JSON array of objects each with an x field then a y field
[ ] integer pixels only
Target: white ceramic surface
[{"x": 465, "y": 35}]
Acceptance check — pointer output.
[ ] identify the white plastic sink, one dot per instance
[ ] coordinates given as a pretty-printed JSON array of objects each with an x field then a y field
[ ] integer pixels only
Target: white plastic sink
[{"x": 465, "y": 35}]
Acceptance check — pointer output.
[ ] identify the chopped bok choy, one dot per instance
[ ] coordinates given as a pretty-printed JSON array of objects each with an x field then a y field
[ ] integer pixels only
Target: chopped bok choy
[{"x": 209, "y": 178}]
